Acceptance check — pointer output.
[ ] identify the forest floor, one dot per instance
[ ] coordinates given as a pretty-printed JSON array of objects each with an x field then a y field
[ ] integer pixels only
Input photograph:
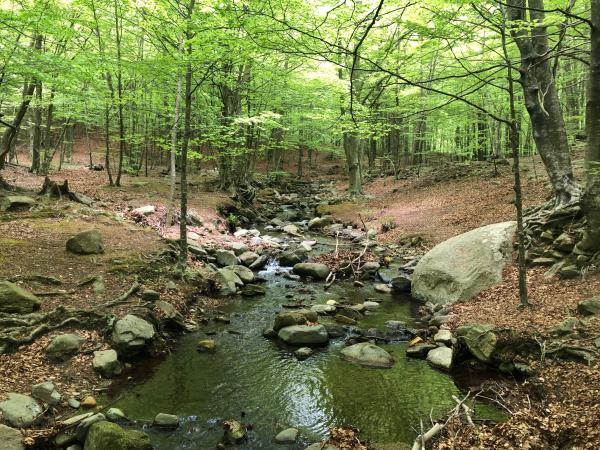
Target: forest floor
[{"x": 555, "y": 408}]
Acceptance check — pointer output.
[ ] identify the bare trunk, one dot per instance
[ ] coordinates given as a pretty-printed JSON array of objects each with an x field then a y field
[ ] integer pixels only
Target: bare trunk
[
  {"x": 173, "y": 157},
  {"x": 591, "y": 197},
  {"x": 541, "y": 98}
]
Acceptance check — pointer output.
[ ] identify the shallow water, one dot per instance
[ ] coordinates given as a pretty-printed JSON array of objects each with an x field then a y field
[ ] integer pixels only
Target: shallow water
[{"x": 260, "y": 382}]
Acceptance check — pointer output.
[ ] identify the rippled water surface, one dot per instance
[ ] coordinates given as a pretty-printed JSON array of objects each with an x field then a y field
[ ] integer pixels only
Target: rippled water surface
[{"x": 261, "y": 380}]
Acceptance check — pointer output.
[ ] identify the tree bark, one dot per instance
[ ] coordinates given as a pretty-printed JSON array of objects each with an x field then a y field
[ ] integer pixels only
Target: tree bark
[
  {"x": 541, "y": 97},
  {"x": 11, "y": 132},
  {"x": 591, "y": 196}
]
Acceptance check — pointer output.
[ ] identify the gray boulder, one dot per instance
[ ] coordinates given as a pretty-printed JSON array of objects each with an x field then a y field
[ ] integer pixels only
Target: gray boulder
[
  {"x": 20, "y": 410},
  {"x": 10, "y": 438},
  {"x": 440, "y": 357},
  {"x": 304, "y": 334},
  {"x": 166, "y": 420},
  {"x": 259, "y": 263},
  {"x": 238, "y": 248},
  {"x": 319, "y": 222},
  {"x": 13, "y": 202},
  {"x": 368, "y": 355},
  {"x": 317, "y": 271},
  {"x": 226, "y": 258},
  {"x": 87, "y": 242},
  {"x": 369, "y": 269},
  {"x": 292, "y": 257},
  {"x": 248, "y": 258},
  {"x": 107, "y": 435},
  {"x": 589, "y": 307},
  {"x": 419, "y": 350},
  {"x": 401, "y": 284},
  {"x": 480, "y": 340},
  {"x": 323, "y": 309},
  {"x": 63, "y": 346},
  {"x": 15, "y": 299},
  {"x": 243, "y": 273},
  {"x": 463, "y": 266},
  {"x": 287, "y": 436},
  {"x": 131, "y": 334},
  {"x": 145, "y": 210},
  {"x": 107, "y": 363},
  {"x": 289, "y": 318},
  {"x": 46, "y": 393},
  {"x": 228, "y": 281}
]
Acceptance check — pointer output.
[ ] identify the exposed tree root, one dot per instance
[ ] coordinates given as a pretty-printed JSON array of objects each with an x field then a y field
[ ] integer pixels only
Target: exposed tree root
[{"x": 17, "y": 330}]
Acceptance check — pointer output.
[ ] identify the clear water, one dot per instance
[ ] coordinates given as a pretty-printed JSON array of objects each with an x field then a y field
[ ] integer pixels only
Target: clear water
[{"x": 260, "y": 382}]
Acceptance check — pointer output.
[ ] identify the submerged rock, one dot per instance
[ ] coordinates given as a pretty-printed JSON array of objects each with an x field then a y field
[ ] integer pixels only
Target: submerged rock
[
  {"x": 304, "y": 335},
  {"x": 464, "y": 265},
  {"x": 369, "y": 355},
  {"x": 207, "y": 345},
  {"x": 287, "y": 436},
  {"x": 235, "y": 432},
  {"x": 87, "y": 242},
  {"x": 303, "y": 352},
  {"x": 166, "y": 420},
  {"x": 107, "y": 435},
  {"x": 15, "y": 299}
]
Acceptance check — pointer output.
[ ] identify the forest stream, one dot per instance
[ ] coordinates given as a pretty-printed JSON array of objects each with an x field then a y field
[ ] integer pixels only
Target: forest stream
[{"x": 261, "y": 383}]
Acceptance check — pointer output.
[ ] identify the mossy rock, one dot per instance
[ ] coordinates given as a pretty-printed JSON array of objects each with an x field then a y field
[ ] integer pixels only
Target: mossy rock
[
  {"x": 107, "y": 435},
  {"x": 14, "y": 299}
]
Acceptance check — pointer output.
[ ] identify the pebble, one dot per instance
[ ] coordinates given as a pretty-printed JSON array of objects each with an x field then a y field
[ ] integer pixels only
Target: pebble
[
  {"x": 89, "y": 402},
  {"x": 74, "y": 403}
]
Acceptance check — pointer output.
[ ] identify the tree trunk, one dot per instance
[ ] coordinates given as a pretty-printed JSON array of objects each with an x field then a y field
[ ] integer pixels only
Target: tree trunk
[
  {"x": 541, "y": 97},
  {"x": 37, "y": 129},
  {"x": 174, "y": 132},
  {"x": 591, "y": 196},
  {"x": 183, "y": 250}
]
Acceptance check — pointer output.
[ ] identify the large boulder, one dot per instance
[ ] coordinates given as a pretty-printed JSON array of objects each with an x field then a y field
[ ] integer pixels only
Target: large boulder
[
  {"x": 228, "y": 281},
  {"x": 11, "y": 439},
  {"x": 440, "y": 357},
  {"x": 243, "y": 273},
  {"x": 107, "y": 435},
  {"x": 226, "y": 258},
  {"x": 87, "y": 242},
  {"x": 317, "y": 271},
  {"x": 369, "y": 355},
  {"x": 63, "y": 346},
  {"x": 292, "y": 257},
  {"x": 131, "y": 334},
  {"x": 463, "y": 266},
  {"x": 20, "y": 410},
  {"x": 304, "y": 335},
  {"x": 289, "y": 318},
  {"x": 480, "y": 340},
  {"x": 13, "y": 202},
  {"x": 14, "y": 299}
]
